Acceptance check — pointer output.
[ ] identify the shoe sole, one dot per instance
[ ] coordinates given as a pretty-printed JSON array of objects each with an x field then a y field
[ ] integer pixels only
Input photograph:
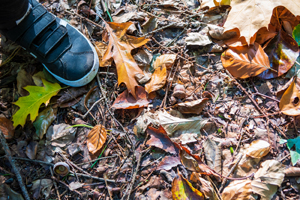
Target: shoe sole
[{"x": 89, "y": 76}]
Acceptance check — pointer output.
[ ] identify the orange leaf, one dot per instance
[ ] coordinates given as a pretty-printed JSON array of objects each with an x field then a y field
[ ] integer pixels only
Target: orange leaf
[
  {"x": 119, "y": 48},
  {"x": 290, "y": 101},
  {"x": 158, "y": 79},
  {"x": 96, "y": 138},
  {"x": 127, "y": 101},
  {"x": 101, "y": 49},
  {"x": 183, "y": 189},
  {"x": 7, "y": 128},
  {"x": 165, "y": 60},
  {"x": 244, "y": 62}
]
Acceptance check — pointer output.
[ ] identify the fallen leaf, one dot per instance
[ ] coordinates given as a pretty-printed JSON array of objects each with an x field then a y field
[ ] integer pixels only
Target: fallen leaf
[
  {"x": 119, "y": 48},
  {"x": 188, "y": 138},
  {"x": 96, "y": 138},
  {"x": 292, "y": 171},
  {"x": 29, "y": 105},
  {"x": 23, "y": 79},
  {"x": 168, "y": 162},
  {"x": 75, "y": 185},
  {"x": 71, "y": 94},
  {"x": 101, "y": 49},
  {"x": 258, "y": 149},
  {"x": 43, "y": 121},
  {"x": 183, "y": 189},
  {"x": 296, "y": 34},
  {"x": 41, "y": 186},
  {"x": 9, "y": 193},
  {"x": 158, "y": 79},
  {"x": 192, "y": 107},
  {"x": 238, "y": 190},
  {"x": 7, "y": 128},
  {"x": 149, "y": 25},
  {"x": 271, "y": 172},
  {"x": 128, "y": 13},
  {"x": 37, "y": 78},
  {"x": 208, "y": 190},
  {"x": 282, "y": 51},
  {"x": 251, "y": 15},
  {"x": 245, "y": 61},
  {"x": 295, "y": 155},
  {"x": 31, "y": 150},
  {"x": 60, "y": 135},
  {"x": 197, "y": 39},
  {"x": 126, "y": 101},
  {"x": 213, "y": 155},
  {"x": 160, "y": 139},
  {"x": 264, "y": 35},
  {"x": 290, "y": 101},
  {"x": 266, "y": 191},
  {"x": 165, "y": 60}
]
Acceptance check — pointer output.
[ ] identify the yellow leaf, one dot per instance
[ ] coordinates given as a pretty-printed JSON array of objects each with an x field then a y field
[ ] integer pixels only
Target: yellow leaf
[
  {"x": 101, "y": 49},
  {"x": 96, "y": 138},
  {"x": 119, "y": 48},
  {"x": 183, "y": 189},
  {"x": 251, "y": 15},
  {"x": 158, "y": 79},
  {"x": 29, "y": 105}
]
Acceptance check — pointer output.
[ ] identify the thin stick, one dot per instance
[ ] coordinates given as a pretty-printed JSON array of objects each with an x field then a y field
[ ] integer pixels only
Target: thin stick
[
  {"x": 99, "y": 179},
  {"x": 14, "y": 167},
  {"x": 97, "y": 160},
  {"x": 231, "y": 170},
  {"x": 55, "y": 185},
  {"x": 73, "y": 164},
  {"x": 86, "y": 114}
]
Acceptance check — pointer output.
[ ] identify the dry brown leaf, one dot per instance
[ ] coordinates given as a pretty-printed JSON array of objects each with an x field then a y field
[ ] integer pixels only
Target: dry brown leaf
[
  {"x": 158, "y": 79},
  {"x": 213, "y": 155},
  {"x": 251, "y": 15},
  {"x": 101, "y": 49},
  {"x": 165, "y": 60},
  {"x": 292, "y": 171},
  {"x": 193, "y": 107},
  {"x": 290, "y": 101},
  {"x": 258, "y": 149},
  {"x": 7, "y": 128},
  {"x": 238, "y": 190},
  {"x": 244, "y": 62},
  {"x": 127, "y": 101},
  {"x": 23, "y": 79},
  {"x": 119, "y": 48},
  {"x": 168, "y": 162},
  {"x": 96, "y": 138}
]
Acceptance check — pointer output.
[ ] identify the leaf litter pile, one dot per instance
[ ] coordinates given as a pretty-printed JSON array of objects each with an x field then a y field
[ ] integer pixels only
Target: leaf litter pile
[{"x": 193, "y": 100}]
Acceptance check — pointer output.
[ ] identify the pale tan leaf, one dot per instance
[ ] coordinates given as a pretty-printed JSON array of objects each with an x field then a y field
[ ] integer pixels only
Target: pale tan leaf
[
  {"x": 290, "y": 101},
  {"x": 238, "y": 190},
  {"x": 166, "y": 59},
  {"x": 258, "y": 149},
  {"x": 96, "y": 138},
  {"x": 213, "y": 155},
  {"x": 271, "y": 172}
]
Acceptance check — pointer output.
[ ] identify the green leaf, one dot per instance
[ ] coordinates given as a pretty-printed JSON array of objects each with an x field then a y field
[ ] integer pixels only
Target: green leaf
[
  {"x": 296, "y": 34},
  {"x": 43, "y": 121},
  {"x": 295, "y": 155},
  {"x": 29, "y": 105}
]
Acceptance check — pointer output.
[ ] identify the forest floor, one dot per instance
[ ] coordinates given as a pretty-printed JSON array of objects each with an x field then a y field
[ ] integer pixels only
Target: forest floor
[{"x": 196, "y": 130}]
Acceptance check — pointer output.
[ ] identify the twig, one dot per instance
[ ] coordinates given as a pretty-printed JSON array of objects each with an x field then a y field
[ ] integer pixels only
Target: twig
[
  {"x": 86, "y": 19},
  {"x": 109, "y": 192},
  {"x": 55, "y": 185},
  {"x": 73, "y": 164},
  {"x": 37, "y": 161},
  {"x": 159, "y": 29},
  {"x": 257, "y": 93},
  {"x": 66, "y": 185},
  {"x": 99, "y": 179},
  {"x": 97, "y": 160},
  {"x": 14, "y": 167},
  {"x": 86, "y": 114},
  {"x": 231, "y": 170}
]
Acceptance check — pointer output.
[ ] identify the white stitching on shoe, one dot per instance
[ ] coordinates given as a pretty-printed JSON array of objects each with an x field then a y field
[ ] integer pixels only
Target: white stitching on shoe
[{"x": 27, "y": 12}]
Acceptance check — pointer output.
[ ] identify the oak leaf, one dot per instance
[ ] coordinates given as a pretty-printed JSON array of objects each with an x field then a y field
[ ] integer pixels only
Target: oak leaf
[
  {"x": 158, "y": 79},
  {"x": 251, "y": 15},
  {"x": 96, "y": 138},
  {"x": 119, "y": 48},
  {"x": 29, "y": 105}
]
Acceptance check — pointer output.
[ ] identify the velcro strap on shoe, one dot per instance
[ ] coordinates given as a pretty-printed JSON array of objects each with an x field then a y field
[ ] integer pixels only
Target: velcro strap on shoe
[
  {"x": 54, "y": 38},
  {"x": 36, "y": 29},
  {"x": 14, "y": 33}
]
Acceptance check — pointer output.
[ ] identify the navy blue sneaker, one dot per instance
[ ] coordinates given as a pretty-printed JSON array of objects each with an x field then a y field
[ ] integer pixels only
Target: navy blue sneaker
[{"x": 64, "y": 51}]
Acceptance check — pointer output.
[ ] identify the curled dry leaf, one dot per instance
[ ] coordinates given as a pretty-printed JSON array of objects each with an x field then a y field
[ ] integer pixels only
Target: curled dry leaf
[
  {"x": 158, "y": 79},
  {"x": 258, "y": 149},
  {"x": 238, "y": 190},
  {"x": 160, "y": 139},
  {"x": 292, "y": 171},
  {"x": 7, "y": 128},
  {"x": 31, "y": 150},
  {"x": 119, "y": 48},
  {"x": 183, "y": 189},
  {"x": 271, "y": 172},
  {"x": 290, "y": 101},
  {"x": 245, "y": 61},
  {"x": 96, "y": 138},
  {"x": 126, "y": 101},
  {"x": 149, "y": 25},
  {"x": 165, "y": 60},
  {"x": 208, "y": 190},
  {"x": 101, "y": 49},
  {"x": 193, "y": 107},
  {"x": 282, "y": 52}
]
